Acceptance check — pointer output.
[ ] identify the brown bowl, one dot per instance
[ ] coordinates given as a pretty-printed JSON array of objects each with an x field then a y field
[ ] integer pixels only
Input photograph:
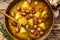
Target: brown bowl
[{"x": 14, "y": 37}]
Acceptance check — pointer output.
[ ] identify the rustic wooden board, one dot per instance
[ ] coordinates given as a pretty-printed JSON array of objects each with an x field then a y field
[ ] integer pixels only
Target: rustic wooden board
[{"x": 54, "y": 35}]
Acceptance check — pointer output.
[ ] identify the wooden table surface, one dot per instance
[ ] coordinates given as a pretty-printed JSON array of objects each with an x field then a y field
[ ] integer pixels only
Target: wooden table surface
[{"x": 54, "y": 35}]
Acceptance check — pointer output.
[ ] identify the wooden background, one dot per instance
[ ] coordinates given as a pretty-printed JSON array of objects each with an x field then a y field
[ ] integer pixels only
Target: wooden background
[{"x": 54, "y": 35}]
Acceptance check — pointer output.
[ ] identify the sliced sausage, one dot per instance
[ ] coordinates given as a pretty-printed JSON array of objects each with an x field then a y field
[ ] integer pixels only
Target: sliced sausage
[
  {"x": 22, "y": 10},
  {"x": 27, "y": 26},
  {"x": 12, "y": 14},
  {"x": 44, "y": 20},
  {"x": 40, "y": 20},
  {"x": 32, "y": 31},
  {"x": 46, "y": 16},
  {"x": 35, "y": 22},
  {"x": 27, "y": 17},
  {"x": 33, "y": 10},
  {"x": 35, "y": 3},
  {"x": 39, "y": 29},
  {"x": 41, "y": 10},
  {"x": 35, "y": 26},
  {"x": 27, "y": 11},
  {"x": 14, "y": 24},
  {"x": 35, "y": 34},
  {"x": 30, "y": 15},
  {"x": 29, "y": 1},
  {"x": 18, "y": 8},
  {"x": 23, "y": 13},
  {"x": 41, "y": 32},
  {"x": 17, "y": 30},
  {"x": 35, "y": 19}
]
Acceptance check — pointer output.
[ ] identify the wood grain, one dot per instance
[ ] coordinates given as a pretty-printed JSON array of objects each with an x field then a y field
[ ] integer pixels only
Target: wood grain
[{"x": 54, "y": 35}]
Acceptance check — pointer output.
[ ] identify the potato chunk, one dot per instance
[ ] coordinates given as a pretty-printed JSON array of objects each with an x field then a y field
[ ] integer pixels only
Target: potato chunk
[
  {"x": 30, "y": 22},
  {"x": 42, "y": 25},
  {"x": 22, "y": 30},
  {"x": 44, "y": 13},
  {"x": 23, "y": 35},
  {"x": 23, "y": 21},
  {"x": 25, "y": 4},
  {"x": 18, "y": 15},
  {"x": 37, "y": 14}
]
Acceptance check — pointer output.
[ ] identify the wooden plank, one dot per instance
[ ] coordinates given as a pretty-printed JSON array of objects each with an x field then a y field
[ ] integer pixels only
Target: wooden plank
[{"x": 54, "y": 35}]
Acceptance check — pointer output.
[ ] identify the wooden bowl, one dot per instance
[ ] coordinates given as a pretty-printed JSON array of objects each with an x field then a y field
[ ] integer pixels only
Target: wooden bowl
[{"x": 14, "y": 37}]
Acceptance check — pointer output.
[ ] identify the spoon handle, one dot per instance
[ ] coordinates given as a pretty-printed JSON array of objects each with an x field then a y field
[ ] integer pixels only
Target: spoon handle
[{"x": 3, "y": 12}]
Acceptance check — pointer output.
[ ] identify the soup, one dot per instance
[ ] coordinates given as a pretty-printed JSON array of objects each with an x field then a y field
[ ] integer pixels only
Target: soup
[{"x": 35, "y": 17}]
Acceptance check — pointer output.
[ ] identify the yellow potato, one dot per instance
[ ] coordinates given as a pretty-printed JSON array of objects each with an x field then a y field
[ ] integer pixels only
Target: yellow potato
[
  {"x": 32, "y": 35},
  {"x": 23, "y": 21},
  {"x": 37, "y": 14},
  {"x": 25, "y": 4},
  {"x": 23, "y": 35},
  {"x": 42, "y": 25},
  {"x": 22, "y": 30},
  {"x": 18, "y": 15},
  {"x": 30, "y": 22},
  {"x": 44, "y": 13}
]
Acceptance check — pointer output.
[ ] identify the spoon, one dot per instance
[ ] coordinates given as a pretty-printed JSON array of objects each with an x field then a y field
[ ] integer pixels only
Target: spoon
[{"x": 3, "y": 12}]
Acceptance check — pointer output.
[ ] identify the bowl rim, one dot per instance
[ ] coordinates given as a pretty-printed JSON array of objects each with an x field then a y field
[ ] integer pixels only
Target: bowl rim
[{"x": 45, "y": 35}]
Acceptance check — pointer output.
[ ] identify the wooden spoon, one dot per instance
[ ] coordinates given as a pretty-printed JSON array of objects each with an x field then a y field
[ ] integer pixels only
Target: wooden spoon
[{"x": 3, "y": 12}]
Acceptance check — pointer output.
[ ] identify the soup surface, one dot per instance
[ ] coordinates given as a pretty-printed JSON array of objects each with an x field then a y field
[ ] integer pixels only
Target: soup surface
[{"x": 34, "y": 15}]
